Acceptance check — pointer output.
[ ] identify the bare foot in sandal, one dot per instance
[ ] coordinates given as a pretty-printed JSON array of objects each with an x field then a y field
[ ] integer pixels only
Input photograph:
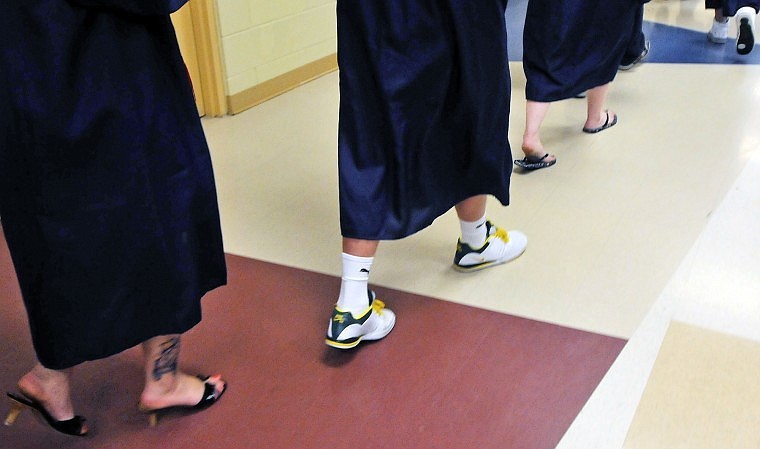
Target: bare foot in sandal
[
  {"x": 607, "y": 119},
  {"x": 535, "y": 155}
]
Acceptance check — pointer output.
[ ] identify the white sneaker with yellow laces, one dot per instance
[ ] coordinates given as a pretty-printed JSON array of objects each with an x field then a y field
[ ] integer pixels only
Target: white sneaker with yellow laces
[
  {"x": 500, "y": 247},
  {"x": 346, "y": 330}
]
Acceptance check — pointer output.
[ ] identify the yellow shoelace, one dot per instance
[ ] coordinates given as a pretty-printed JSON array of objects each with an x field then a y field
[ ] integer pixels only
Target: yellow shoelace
[
  {"x": 501, "y": 234},
  {"x": 378, "y": 306}
]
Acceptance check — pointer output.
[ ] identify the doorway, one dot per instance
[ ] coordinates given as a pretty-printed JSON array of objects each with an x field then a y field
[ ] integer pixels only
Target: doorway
[{"x": 197, "y": 33}]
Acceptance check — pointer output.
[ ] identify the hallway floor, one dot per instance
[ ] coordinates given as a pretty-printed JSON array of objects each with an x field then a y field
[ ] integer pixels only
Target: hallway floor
[{"x": 632, "y": 320}]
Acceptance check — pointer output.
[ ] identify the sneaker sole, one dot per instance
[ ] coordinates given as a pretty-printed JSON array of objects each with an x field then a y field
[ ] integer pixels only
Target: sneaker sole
[
  {"x": 354, "y": 342},
  {"x": 343, "y": 345},
  {"x": 746, "y": 39},
  {"x": 484, "y": 265},
  {"x": 716, "y": 40}
]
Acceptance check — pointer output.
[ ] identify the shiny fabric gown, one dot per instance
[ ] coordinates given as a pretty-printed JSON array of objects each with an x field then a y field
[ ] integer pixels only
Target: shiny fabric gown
[
  {"x": 571, "y": 46},
  {"x": 730, "y": 7},
  {"x": 107, "y": 195},
  {"x": 424, "y": 110}
]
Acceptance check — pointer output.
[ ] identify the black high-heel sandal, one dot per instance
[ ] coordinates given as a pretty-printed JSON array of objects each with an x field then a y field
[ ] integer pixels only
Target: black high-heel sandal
[
  {"x": 74, "y": 426},
  {"x": 210, "y": 397}
]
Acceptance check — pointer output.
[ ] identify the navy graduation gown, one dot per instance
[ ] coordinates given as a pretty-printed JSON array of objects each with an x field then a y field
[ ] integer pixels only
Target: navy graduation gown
[
  {"x": 424, "y": 110},
  {"x": 571, "y": 46},
  {"x": 729, "y": 7},
  {"x": 107, "y": 194}
]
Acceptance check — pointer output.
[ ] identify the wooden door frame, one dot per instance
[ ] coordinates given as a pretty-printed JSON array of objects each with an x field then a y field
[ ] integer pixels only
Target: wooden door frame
[{"x": 208, "y": 50}]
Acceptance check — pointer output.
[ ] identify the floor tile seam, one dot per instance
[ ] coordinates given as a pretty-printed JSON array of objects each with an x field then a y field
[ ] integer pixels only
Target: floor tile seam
[
  {"x": 437, "y": 298},
  {"x": 638, "y": 356}
]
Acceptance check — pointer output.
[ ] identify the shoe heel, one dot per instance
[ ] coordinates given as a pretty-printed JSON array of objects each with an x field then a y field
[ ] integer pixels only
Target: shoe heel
[
  {"x": 16, "y": 409},
  {"x": 152, "y": 415}
]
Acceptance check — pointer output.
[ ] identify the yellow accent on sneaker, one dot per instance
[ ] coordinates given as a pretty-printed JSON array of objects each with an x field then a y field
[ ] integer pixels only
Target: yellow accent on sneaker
[
  {"x": 372, "y": 324},
  {"x": 501, "y": 234},
  {"x": 500, "y": 246}
]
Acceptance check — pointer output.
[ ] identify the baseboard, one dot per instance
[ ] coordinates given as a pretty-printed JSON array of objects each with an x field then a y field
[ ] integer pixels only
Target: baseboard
[{"x": 267, "y": 90}]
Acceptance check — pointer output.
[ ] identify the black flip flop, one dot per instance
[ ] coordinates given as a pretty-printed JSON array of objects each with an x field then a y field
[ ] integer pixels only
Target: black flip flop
[
  {"x": 607, "y": 124},
  {"x": 535, "y": 162}
]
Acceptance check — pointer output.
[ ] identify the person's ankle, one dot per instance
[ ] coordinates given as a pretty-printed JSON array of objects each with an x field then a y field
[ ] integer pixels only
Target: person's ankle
[
  {"x": 154, "y": 389},
  {"x": 532, "y": 146},
  {"x": 50, "y": 389}
]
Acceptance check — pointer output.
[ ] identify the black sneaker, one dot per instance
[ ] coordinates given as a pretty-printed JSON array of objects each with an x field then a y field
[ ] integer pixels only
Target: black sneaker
[{"x": 745, "y": 35}]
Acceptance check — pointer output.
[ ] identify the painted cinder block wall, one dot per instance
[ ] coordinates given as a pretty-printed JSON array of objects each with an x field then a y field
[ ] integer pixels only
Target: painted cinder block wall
[{"x": 264, "y": 39}]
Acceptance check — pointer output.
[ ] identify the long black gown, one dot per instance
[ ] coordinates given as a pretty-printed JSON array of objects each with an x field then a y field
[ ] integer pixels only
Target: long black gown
[
  {"x": 424, "y": 110},
  {"x": 571, "y": 46},
  {"x": 107, "y": 194},
  {"x": 729, "y": 7}
]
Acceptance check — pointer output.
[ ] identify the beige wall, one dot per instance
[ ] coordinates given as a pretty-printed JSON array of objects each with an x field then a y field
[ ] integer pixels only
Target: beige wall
[{"x": 264, "y": 39}]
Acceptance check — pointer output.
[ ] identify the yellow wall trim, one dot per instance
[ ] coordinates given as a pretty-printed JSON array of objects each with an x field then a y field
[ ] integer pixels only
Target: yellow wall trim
[
  {"x": 276, "y": 86},
  {"x": 208, "y": 43}
]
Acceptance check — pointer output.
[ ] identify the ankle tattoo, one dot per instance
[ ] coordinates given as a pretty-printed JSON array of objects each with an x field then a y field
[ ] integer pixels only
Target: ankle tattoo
[{"x": 166, "y": 363}]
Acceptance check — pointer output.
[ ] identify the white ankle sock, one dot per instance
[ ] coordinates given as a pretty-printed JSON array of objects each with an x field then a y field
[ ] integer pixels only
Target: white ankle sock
[
  {"x": 473, "y": 232},
  {"x": 353, "y": 287}
]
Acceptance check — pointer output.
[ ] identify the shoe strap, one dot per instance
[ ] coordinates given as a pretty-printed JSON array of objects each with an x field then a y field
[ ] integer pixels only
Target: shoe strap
[{"x": 210, "y": 393}]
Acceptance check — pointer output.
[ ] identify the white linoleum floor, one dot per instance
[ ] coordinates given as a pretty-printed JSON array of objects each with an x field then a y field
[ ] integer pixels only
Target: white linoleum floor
[{"x": 653, "y": 220}]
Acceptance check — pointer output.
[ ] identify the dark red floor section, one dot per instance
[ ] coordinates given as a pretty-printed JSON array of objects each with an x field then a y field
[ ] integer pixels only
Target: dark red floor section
[{"x": 448, "y": 376}]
